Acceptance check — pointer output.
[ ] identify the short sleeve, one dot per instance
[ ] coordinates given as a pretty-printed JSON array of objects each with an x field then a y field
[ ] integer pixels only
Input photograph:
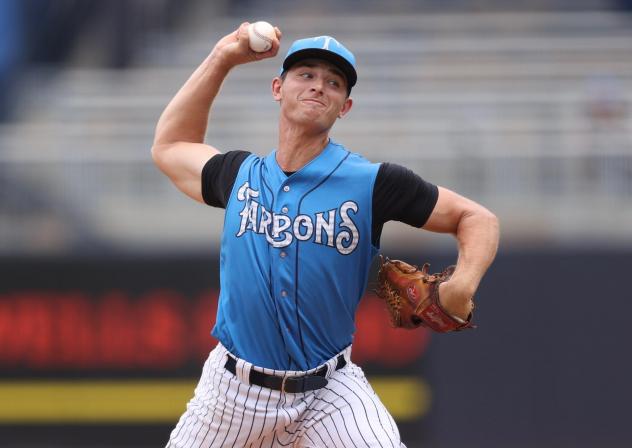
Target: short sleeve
[
  {"x": 401, "y": 195},
  {"x": 218, "y": 177}
]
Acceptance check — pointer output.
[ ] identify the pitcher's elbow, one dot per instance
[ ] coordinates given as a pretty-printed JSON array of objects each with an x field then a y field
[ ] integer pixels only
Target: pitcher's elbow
[
  {"x": 157, "y": 154},
  {"x": 490, "y": 219}
]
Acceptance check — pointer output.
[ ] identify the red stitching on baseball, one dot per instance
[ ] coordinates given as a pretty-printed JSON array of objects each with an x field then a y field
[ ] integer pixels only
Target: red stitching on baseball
[{"x": 258, "y": 34}]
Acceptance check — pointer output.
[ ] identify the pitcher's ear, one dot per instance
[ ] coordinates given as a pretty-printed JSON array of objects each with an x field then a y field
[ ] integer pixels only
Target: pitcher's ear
[
  {"x": 277, "y": 82},
  {"x": 346, "y": 107}
]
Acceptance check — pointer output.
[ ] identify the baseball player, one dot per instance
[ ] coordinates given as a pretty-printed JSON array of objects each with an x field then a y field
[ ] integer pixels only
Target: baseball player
[{"x": 302, "y": 226}]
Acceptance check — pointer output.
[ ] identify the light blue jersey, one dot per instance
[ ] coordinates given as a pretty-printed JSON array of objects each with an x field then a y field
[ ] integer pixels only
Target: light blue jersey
[{"x": 295, "y": 257}]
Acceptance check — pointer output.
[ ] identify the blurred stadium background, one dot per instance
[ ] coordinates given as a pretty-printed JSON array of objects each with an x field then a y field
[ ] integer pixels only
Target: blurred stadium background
[{"x": 108, "y": 275}]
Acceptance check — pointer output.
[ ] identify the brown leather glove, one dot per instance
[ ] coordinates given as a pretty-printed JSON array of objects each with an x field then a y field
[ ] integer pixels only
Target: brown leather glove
[{"x": 412, "y": 296}]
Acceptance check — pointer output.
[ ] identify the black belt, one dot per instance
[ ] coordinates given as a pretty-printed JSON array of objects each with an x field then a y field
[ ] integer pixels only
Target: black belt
[{"x": 295, "y": 384}]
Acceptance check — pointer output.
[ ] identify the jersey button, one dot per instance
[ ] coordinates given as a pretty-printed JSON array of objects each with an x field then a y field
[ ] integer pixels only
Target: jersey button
[
  {"x": 283, "y": 254},
  {"x": 284, "y": 293},
  {"x": 284, "y": 209},
  {"x": 286, "y": 188}
]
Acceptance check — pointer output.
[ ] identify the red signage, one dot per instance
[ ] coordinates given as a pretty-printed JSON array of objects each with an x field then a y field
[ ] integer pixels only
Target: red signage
[{"x": 159, "y": 330}]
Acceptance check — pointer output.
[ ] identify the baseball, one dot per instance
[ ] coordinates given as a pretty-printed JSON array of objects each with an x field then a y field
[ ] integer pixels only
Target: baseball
[{"x": 261, "y": 36}]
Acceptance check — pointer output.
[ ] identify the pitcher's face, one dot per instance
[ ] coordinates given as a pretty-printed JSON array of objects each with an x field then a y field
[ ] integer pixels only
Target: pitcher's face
[{"x": 312, "y": 93}]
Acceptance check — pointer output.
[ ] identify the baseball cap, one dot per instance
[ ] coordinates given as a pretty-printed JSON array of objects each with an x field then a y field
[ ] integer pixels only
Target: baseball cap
[{"x": 323, "y": 47}]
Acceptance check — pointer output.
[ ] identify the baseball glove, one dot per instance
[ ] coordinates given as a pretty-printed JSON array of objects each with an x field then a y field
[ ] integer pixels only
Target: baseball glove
[{"x": 412, "y": 296}]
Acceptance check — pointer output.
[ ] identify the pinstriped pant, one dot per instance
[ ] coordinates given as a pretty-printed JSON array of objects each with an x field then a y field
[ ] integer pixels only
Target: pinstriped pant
[{"x": 227, "y": 411}]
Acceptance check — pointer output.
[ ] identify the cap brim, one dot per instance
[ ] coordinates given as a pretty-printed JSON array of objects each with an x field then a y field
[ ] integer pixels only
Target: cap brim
[{"x": 318, "y": 53}]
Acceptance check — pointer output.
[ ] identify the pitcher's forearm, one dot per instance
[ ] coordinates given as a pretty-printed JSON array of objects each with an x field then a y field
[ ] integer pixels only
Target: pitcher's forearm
[{"x": 477, "y": 235}]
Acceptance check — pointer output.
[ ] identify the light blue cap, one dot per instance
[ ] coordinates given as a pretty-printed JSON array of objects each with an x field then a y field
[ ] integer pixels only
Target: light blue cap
[{"x": 323, "y": 47}]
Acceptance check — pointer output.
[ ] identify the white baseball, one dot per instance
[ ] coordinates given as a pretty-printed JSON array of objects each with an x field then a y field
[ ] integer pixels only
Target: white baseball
[{"x": 260, "y": 36}]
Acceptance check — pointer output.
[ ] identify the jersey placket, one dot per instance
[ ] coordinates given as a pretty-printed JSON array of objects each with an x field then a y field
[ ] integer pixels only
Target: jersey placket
[{"x": 283, "y": 264}]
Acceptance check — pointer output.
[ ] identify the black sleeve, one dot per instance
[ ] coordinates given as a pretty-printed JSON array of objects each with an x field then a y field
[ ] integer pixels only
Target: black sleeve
[
  {"x": 218, "y": 177},
  {"x": 400, "y": 195}
]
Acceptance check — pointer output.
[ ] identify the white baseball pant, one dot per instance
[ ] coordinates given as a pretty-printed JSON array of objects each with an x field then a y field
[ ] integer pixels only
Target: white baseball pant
[{"x": 228, "y": 411}]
